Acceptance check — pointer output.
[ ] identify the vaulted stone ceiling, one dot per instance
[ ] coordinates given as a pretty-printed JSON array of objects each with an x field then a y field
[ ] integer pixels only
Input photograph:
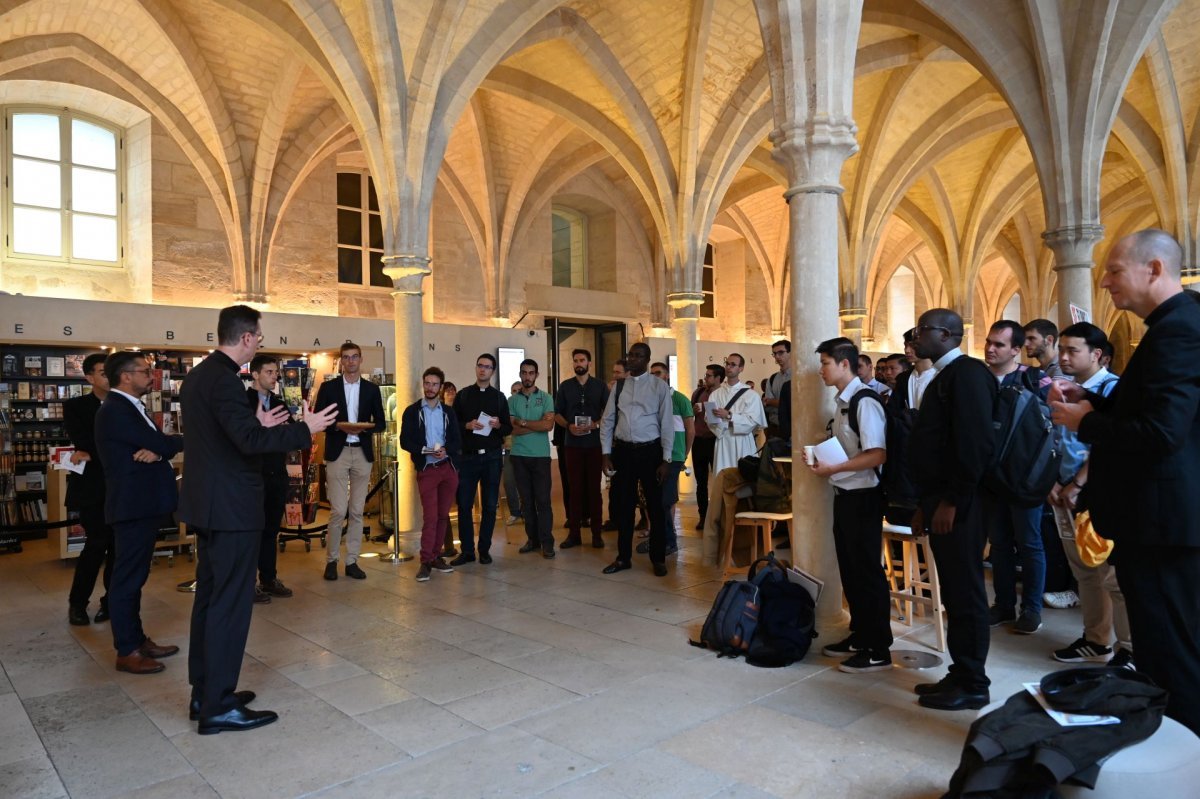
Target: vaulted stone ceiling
[{"x": 963, "y": 161}]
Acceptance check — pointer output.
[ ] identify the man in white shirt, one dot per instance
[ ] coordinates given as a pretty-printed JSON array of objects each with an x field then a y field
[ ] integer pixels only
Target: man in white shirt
[
  {"x": 739, "y": 413},
  {"x": 857, "y": 510},
  {"x": 637, "y": 437}
]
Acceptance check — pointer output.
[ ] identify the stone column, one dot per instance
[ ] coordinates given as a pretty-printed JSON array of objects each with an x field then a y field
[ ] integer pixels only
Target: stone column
[
  {"x": 851, "y": 321},
  {"x": 1072, "y": 247},
  {"x": 685, "y": 326},
  {"x": 407, "y": 272},
  {"x": 813, "y": 154}
]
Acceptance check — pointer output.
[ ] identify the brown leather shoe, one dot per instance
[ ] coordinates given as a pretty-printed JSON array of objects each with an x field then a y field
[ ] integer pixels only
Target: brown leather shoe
[
  {"x": 152, "y": 650},
  {"x": 137, "y": 663}
]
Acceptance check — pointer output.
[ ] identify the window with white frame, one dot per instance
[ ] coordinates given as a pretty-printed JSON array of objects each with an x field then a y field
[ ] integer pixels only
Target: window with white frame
[
  {"x": 63, "y": 187},
  {"x": 359, "y": 232}
]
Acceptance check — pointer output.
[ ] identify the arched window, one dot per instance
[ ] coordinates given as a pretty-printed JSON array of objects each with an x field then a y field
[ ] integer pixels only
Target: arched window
[
  {"x": 359, "y": 232},
  {"x": 568, "y": 230},
  {"x": 63, "y": 196},
  {"x": 708, "y": 310}
]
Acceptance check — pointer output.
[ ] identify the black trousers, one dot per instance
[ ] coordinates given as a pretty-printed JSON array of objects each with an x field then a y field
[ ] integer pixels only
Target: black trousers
[
  {"x": 1058, "y": 570},
  {"x": 134, "y": 549},
  {"x": 637, "y": 466},
  {"x": 274, "y": 501},
  {"x": 1159, "y": 584},
  {"x": 98, "y": 550},
  {"x": 959, "y": 559},
  {"x": 703, "y": 448},
  {"x": 533, "y": 484},
  {"x": 858, "y": 539},
  {"x": 221, "y": 615}
]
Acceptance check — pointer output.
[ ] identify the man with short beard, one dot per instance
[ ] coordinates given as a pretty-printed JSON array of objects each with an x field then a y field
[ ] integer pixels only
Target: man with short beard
[
  {"x": 1041, "y": 345},
  {"x": 578, "y": 407}
]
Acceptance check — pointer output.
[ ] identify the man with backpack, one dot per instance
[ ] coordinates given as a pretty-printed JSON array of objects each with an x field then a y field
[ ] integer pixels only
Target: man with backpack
[
  {"x": 739, "y": 413},
  {"x": 1103, "y": 604},
  {"x": 1011, "y": 526},
  {"x": 950, "y": 450},
  {"x": 860, "y": 427}
]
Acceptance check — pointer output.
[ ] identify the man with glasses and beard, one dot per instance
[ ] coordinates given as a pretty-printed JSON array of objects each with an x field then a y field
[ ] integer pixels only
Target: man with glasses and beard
[{"x": 781, "y": 351}]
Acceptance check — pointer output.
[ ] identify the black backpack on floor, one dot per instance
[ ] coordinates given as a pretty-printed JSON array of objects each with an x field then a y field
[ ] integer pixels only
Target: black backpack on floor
[{"x": 761, "y": 617}]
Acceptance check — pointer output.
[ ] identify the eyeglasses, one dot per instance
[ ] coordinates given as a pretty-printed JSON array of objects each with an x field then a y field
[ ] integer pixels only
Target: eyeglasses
[
  {"x": 146, "y": 371},
  {"x": 922, "y": 328},
  {"x": 731, "y": 363},
  {"x": 484, "y": 366},
  {"x": 777, "y": 353},
  {"x": 352, "y": 357}
]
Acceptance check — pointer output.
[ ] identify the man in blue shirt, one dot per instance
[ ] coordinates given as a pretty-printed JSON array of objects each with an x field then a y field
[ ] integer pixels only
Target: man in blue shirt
[{"x": 429, "y": 432}]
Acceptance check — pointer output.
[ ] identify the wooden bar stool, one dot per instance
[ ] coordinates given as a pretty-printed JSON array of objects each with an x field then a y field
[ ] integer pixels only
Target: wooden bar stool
[
  {"x": 909, "y": 579},
  {"x": 761, "y": 524}
]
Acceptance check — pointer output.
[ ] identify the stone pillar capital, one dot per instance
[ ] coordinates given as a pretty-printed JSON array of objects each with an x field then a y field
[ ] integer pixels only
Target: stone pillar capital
[
  {"x": 1072, "y": 246},
  {"x": 813, "y": 153},
  {"x": 849, "y": 314},
  {"x": 685, "y": 304},
  {"x": 407, "y": 271}
]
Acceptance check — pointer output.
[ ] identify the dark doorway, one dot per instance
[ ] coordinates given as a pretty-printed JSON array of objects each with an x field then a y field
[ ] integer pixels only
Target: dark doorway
[{"x": 605, "y": 340}]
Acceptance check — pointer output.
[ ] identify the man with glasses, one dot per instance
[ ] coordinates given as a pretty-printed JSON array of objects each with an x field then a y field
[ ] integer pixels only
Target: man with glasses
[
  {"x": 139, "y": 493},
  {"x": 221, "y": 501},
  {"x": 348, "y": 456},
  {"x": 85, "y": 495},
  {"x": 949, "y": 450},
  {"x": 739, "y": 413},
  {"x": 483, "y": 413},
  {"x": 781, "y": 351}
]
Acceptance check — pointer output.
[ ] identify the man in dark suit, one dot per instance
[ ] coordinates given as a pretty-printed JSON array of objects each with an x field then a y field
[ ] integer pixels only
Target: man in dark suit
[
  {"x": 222, "y": 502},
  {"x": 1144, "y": 466},
  {"x": 348, "y": 457},
  {"x": 949, "y": 450},
  {"x": 264, "y": 376},
  {"x": 85, "y": 495},
  {"x": 139, "y": 492}
]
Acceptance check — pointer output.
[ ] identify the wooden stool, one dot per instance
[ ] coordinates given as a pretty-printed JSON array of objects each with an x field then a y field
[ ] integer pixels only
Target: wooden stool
[
  {"x": 908, "y": 578},
  {"x": 761, "y": 524}
]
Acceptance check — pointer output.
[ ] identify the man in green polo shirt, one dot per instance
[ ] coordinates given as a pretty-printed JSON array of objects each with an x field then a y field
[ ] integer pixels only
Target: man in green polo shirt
[
  {"x": 532, "y": 413},
  {"x": 683, "y": 418}
]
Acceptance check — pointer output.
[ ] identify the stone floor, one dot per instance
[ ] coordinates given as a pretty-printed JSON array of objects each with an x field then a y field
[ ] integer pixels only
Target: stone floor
[{"x": 523, "y": 678}]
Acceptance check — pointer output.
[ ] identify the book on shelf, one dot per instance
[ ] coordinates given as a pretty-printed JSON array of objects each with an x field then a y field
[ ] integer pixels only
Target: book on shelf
[
  {"x": 56, "y": 366},
  {"x": 23, "y": 391},
  {"x": 73, "y": 365},
  {"x": 33, "y": 366}
]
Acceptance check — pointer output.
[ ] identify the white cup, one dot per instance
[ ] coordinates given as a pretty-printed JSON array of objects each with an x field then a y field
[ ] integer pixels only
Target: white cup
[{"x": 810, "y": 455}]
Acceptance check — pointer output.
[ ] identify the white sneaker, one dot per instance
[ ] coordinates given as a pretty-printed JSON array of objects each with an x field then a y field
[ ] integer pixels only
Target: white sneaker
[
  {"x": 514, "y": 520},
  {"x": 1060, "y": 599}
]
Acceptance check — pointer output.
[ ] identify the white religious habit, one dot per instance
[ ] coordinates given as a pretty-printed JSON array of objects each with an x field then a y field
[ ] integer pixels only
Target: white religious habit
[{"x": 736, "y": 437}]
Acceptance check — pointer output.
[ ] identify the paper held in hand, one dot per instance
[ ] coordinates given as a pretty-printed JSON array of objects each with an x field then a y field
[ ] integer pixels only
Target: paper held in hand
[
  {"x": 486, "y": 421},
  {"x": 830, "y": 453}
]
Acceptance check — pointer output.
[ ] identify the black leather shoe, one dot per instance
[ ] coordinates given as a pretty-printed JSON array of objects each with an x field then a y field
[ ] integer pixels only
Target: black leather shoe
[
  {"x": 353, "y": 571},
  {"x": 597, "y": 541},
  {"x": 331, "y": 570},
  {"x": 956, "y": 698},
  {"x": 243, "y": 698},
  {"x": 528, "y": 547},
  {"x": 101, "y": 614},
  {"x": 548, "y": 554},
  {"x": 617, "y": 566},
  {"x": 463, "y": 558},
  {"x": 78, "y": 616},
  {"x": 485, "y": 558},
  {"x": 660, "y": 569},
  {"x": 643, "y": 548},
  {"x": 240, "y": 718},
  {"x": 926, "y": 688},
  {"x": 570, "y": 542}
]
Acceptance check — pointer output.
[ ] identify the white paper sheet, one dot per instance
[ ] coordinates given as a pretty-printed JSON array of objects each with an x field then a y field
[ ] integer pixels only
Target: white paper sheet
[
  {"x": 1068, "y": 719},
  {"x": 830, "y": 453},
  {"x": 486, "y": 421}
]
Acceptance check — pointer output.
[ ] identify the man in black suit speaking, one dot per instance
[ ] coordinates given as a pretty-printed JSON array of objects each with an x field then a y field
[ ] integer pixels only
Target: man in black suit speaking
[
  {"x": 348, "y": 456},
  {"x": 264, "y": 377},
  {"x": 1144, "y": 467},
  {"x": 222, "y": 502},
  {"x": 139, "y": 492}
]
